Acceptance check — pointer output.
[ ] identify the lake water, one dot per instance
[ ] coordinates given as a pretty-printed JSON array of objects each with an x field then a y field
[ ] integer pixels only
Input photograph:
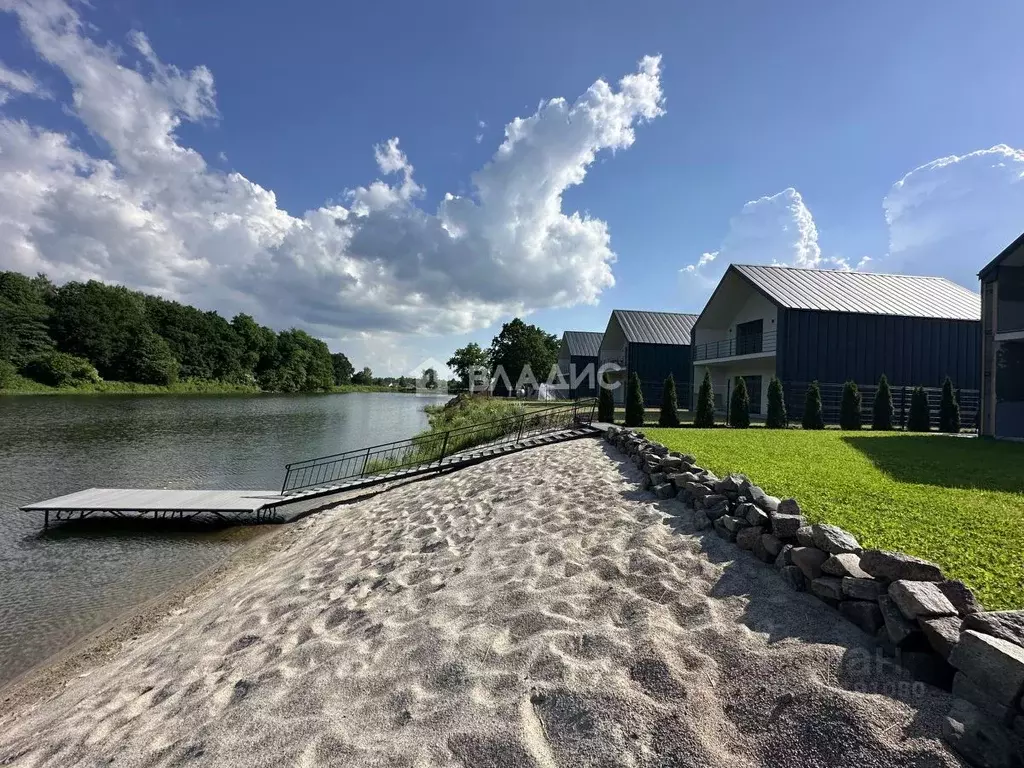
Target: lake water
[{"x": 57, "y": 587}]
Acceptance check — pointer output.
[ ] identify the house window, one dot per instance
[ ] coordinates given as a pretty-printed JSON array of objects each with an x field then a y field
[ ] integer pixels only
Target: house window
[{"x": 749, "y": 337}]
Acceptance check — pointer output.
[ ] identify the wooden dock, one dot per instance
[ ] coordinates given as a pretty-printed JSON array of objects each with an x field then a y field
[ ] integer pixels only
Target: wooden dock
[{"x": 260, "y": 506}]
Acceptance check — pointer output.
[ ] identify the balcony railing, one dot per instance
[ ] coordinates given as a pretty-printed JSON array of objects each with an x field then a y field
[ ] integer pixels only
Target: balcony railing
[{"x": 745, "y": 345}]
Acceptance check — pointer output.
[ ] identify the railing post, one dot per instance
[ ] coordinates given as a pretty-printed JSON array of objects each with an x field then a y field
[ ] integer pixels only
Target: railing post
[
  {"x": 366, "y": 461},
  {"x": 444, "y": 448},
  {"x": 522, "y": 423}
]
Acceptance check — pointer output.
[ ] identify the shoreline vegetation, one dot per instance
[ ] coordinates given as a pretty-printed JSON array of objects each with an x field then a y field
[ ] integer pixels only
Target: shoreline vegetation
[{"x": 22, "y": 385}]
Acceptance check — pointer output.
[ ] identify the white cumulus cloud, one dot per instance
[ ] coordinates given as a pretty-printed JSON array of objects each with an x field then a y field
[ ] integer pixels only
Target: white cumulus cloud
[
  {"x": 951, "y": 216},
  {"x": 13, "y": 83},
  {"x": 151, "y": 213}
]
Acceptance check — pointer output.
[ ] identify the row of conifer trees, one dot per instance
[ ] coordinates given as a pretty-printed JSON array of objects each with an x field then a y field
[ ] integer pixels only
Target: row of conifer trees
[{"x": 850, "y": 411}]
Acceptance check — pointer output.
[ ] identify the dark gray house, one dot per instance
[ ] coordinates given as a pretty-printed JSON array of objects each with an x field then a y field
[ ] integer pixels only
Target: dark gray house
[
  {"x": 577, "y": 362},
  {"x": 827, "y": 325},
  {"x": 653, "y": 345},
  {"x": 1002, "y": 361}
]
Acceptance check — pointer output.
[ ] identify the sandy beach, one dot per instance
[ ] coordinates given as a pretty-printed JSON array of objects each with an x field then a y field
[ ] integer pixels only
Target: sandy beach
[{"x": 533, "y": 611}]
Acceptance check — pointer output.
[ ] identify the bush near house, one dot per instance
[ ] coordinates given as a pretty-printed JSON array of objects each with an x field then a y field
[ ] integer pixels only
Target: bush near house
[
  {"x": 669, "y": 416},
  {"x": 814, "y": 418},
  {"x": 705, "y": 414},
  {"x": 949, "y": 409},
  {"x": 634, "y": 402},
  {"x": 849, "y": 407},
  {"x": 920, "y": 418},
  {"x": 776, "y": 417},
  {"x": 605, "y": 405},
  {"x": 739, "y": 405},
  {"x": 61, "y": 370},
  {"x": 882, "y": 410},
  {"x": 959, "y": 503}
]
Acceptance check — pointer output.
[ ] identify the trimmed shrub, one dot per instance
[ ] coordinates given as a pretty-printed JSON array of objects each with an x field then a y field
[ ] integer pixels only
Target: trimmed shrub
[
  {"x": 739, "y": 405},
  {"x": 669, "y": 416},
  {"x": 776, "y": 417},
  {"x": 605, "y": 403},
  {"x": 705, "y": 413},
  {"x": 7, "y": 373},
  {"x": 59, "y": 369},
  {"x": 882, "y": 410},
  {"x": 849, "y": 407},
  {"x": 949, "y": 409},
  {"x": 634, "y": 403},
  {"x": 920, "y": 419},
  {"x": 813, "y": 416}
]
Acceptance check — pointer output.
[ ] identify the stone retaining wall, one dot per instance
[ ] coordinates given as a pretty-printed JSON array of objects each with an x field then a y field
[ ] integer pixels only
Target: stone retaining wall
[{"x": 932, "y": 626}]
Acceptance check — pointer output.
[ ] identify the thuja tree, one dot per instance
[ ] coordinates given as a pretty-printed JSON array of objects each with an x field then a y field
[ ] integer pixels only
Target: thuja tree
[
  {"x": 605, "y": 403},
  {"x": 776, "y": 417},
  {"x": 813, "y": 416},
  {"x": 634, "y": 403},
  {"x": 849, "y": 407},
  {"x": 739, "y": 405},
  {"x": 669, "y": 416},
  {"x": 882, "y": 410},
  {"x": 920, "y": 419},
  {"x": 949, "y": 409},
  {"x": 705, "y": 413}
]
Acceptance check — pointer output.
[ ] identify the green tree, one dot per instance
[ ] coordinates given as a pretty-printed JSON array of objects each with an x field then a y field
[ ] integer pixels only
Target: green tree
[
  {"x": 430, "y": 378},
  {"x": 920, "y": 418},
  {"x": 949, "y": 409},
  {"x": 61, "y": 370},
  {"x": 519, "y": 347},
  {"x": 776, "y": 417},
  {"x": 343, "y": 369},
  {"x": 634, "y": 402},
  {"x": 363, "y": 377},
  {"x": 849, "y": 407},
  {"x": 705, "y": 415},
  {"x": 882, "y": 410},
  {"x": 669, "y": 416},
  {"x": 739, "y": 405},
  {"x": 605, "y": 403},
  {"x": 468, "y": 359},
  {"x": 24, "y": 317},
  {"x": 814, "y": 418},
  {"x": 150, "y": 360},
  {"x": 259, "y": 346},
  {"x": 7, "y": 373}
]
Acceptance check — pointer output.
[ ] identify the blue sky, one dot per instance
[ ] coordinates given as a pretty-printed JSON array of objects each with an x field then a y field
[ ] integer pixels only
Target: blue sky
[{"x": 231, "y": 161}]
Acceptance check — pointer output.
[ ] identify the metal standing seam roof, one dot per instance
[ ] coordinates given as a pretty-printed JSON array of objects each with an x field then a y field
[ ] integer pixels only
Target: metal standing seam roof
[
  {"x": 830, "y": 290},
  {"x": 641, "y": 327},
  {"x": 583, "y": 343}
]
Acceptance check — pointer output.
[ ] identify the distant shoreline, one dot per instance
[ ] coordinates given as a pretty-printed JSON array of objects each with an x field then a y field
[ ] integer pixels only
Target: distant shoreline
[{"x": 27, "y": 387}]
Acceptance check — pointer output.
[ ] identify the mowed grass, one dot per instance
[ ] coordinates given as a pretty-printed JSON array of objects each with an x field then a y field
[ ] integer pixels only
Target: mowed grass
[{"x": 956, "y": 501}]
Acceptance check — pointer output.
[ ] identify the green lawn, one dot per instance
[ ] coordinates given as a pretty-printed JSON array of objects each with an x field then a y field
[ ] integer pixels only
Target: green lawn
[{"x": 956, "y": 501}]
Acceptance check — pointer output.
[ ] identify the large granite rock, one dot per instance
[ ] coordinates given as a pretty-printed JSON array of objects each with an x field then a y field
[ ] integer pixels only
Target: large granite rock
[
  {"x": 833, "y": 539},
  {"x": 785, "y": 556},
  {"x": 794, "y": 577},
  {"x": 700, "y": 520},
  {"x": 902, "y": 633},
  {"x": 863, "y": 614},
  {"x": 788, "y": 507},
  {"x": 734, "y": 524},
  {"x": 664, "y": 490},
  {"x": 862, "y": 589},
  {"x": 919, "y": 599},
  {"x": 993, "y": 664},
  {"x": 717, "y": 510},
  {"x": 845, "y": 564},
  {"x": 1007, "y": 625},
  {"x": 828, "y": 588},
  {"x": 979, "y": 739},
  {"x": 942, "y": 633},
  {"x": 772, "y": 545},
  {"x": 808, "y": 560},
  {"x": 967, "y": 689},
  {"x": 748, "y": 538},
  {"x": 963, "y": 599},
  {"x": 786, "y": 526},
  {"x": 895, "y": 566},
  {"x": 805, "y": 536},
  {"x": 722, "y": 531},
  {"x": 753, "y": 514}
]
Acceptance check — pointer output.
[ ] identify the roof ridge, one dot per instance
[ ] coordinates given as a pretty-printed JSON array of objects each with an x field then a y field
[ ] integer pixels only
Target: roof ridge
[
  {"x": 659, "y": 312},
  {"x": 848, "y": 272}
]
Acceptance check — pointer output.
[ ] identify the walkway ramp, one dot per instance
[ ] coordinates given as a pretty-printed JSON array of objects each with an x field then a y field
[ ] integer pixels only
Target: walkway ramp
[{"x": 326, "y": 476}]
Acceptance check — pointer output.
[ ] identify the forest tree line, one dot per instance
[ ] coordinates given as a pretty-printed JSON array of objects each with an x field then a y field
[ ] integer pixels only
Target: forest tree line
[{"x": 78, "y": 333}]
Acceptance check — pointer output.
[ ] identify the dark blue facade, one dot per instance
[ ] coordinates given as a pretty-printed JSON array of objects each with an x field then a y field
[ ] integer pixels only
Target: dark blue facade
[
  {"x": 910, "y": 351},
  {"x": 654, "y": 362},
  {"x": 584, "y": 367}
]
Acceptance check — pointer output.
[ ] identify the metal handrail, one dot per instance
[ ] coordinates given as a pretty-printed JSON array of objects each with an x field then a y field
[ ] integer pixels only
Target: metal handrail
[
  {"x": 431, "y": 449},
  {"x": 747, "y": 345}
]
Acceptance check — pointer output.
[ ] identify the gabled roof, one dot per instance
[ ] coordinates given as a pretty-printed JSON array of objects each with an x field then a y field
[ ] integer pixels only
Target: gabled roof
[
  {"x": 831, "y": 290},
  {"x": 987, "y": 269},
  {"x": 583, "y": 343},
  {"x": 654, "y": 327}
]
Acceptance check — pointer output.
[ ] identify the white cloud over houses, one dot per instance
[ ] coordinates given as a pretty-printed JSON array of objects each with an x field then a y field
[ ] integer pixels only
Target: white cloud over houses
[
  {"x": 151, "y": 213},
  {"x": 953, "y": 215}
]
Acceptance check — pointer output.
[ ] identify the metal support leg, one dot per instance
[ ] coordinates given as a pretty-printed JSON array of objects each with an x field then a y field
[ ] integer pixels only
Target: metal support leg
[{"x": 46, "y": 520}]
